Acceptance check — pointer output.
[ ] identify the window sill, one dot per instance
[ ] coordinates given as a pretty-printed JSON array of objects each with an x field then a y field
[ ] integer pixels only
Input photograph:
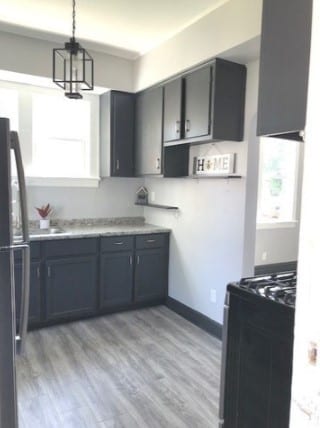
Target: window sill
[
  {"x": 278, "y": 225},
  {"x": 62, "y": 182}
]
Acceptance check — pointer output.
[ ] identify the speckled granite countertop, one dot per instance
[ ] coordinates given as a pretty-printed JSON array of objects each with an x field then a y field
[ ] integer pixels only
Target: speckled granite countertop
[{"x": 95, "y": 228}]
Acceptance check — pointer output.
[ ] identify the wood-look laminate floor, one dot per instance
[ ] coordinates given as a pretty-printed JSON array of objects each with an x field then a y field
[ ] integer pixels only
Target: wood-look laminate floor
[{"x": 142, "y": 369}]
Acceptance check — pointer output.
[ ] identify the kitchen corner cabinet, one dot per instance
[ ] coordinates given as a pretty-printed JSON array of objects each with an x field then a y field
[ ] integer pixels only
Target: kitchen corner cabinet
[
  {"x": 117, "y": 134},
  {"x": 212, "y": 102},
  {"x": 284, "y": 67},
  {"x": 151, "y": 271},
  {"x": 148, "y": 132}
]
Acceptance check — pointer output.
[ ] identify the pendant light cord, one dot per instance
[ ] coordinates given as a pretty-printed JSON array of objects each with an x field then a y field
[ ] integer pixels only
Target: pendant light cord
[{"x": 73, "y": 18}]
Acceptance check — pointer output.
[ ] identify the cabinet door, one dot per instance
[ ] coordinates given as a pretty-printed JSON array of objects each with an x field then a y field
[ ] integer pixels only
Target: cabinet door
[
  {"x": 35, "y": 305},
  {"x": 198, "y": 103},
  {"x": 148, "y": 142},
  {"x": 284, "y": 66},
  {"x": 122, "y": 134},
  {"x": 151, "y": 275},
  {"x": 116, "y": 279},
  {"x": 71, "y": 287},
  {"x": 172, "y": 109},
  {"x": 259, "y": 367}
]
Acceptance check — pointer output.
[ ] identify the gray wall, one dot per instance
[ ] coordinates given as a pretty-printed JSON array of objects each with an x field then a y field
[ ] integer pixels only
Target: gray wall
[
  {"x": 208, "y": 235},
  {"x": 113, "y": 198}
]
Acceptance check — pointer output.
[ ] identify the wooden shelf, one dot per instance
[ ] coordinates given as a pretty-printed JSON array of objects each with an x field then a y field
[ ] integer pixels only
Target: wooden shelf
[
  {"x": 226, "y": 177},
  {"x": 164, "y": 207}
]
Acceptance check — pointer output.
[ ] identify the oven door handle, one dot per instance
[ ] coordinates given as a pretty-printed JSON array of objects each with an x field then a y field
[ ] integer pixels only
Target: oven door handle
[{"x": 223, "y": 361}]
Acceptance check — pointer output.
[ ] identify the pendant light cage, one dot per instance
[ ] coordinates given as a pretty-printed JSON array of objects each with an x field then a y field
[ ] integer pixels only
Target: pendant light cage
[{"x": 73, "y": 66}]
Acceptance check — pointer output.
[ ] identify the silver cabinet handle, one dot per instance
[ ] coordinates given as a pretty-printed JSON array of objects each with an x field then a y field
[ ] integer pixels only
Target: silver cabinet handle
[
  {"x": 187, "y": 126},
  {"x": 158, "y": 163},
  {"x": 49, "y": 272},
  {"x": 25, "y": 294},
  {"x": 117, "y": 164},
  {"x": 138, "y": 260},
  {"x": 178, "y": 126},
  {"x": 151, "y": 240},
  {"x": 118, "y": 243},
  {"x": 38, "y": 272},
  {"x": 130, "y": 260}
]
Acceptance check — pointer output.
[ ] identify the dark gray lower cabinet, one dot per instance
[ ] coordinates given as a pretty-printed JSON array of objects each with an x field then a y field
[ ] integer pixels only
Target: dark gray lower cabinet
[
  {"x": 151, "y": 274},
  {"x": 116, "y": 279},
  {"x": 76, "y": 278},
  {"x": 35, "y": 286},
  {"x": 71, "y": 286}
]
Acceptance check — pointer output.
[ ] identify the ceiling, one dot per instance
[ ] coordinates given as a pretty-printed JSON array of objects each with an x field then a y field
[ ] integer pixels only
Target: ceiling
[{"x": 128, "y": 28}]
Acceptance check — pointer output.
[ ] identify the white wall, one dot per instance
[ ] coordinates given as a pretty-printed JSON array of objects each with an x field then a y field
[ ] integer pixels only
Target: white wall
[
  {"x": 306, "y": 377},
  {"x": 280, "y": 245},
  {"x": 33, "y": 56},
  {"x": 234, "y": 23},
  {"x": 207, "y": 242},
  {"x": 113, "y": 198}
]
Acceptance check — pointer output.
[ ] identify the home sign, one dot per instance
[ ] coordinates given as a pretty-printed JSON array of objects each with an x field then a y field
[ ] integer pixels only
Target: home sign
[{"x": 214, "y": 165}]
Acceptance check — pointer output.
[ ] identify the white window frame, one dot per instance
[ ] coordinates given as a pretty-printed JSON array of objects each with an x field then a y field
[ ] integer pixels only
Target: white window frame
[
  {"x": 25, "y": 93},
  {"x": 279, "y": 223}
]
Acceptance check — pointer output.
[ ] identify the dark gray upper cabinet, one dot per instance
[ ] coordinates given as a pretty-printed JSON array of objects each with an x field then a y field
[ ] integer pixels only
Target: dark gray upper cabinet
[
  {"x": 211, "y": 101},
  {"x": 198, "y": 103},
  {"x": 148, "y": 133},
  {"x": 117, "y": 134},
  {"x": 172, "y": 111},
  {"x": 284, "y": 67}
]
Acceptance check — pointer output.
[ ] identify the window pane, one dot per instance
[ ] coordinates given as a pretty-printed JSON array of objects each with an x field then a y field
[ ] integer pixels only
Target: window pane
[
  {"x": 61, "y": 137},
  {"x": 278, "y": 180},
  {"x": 9, "y": 107}
]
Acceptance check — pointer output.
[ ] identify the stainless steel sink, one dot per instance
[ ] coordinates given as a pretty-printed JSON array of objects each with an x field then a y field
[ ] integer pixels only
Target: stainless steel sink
[{"x": 42, "y": 232}]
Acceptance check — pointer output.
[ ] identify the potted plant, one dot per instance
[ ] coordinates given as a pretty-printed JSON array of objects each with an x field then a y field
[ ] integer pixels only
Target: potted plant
[{"x": 44, "y": 213}]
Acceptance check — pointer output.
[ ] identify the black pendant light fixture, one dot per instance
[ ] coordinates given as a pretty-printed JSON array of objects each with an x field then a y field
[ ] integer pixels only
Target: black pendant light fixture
[{"x": 73, "y": 66}]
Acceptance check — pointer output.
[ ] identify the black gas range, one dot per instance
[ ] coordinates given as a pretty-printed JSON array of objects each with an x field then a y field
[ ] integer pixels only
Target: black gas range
[
  {"x": 278, "y": 287},
  {"x": 257, "y": 352}
]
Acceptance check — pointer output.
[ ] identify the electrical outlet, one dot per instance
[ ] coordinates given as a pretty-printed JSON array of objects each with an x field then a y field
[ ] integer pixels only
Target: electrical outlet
[
  {"x": 264, "y": 256},
  {"x": 153, "y": 196},
  {"x": 213, "y": 295}
]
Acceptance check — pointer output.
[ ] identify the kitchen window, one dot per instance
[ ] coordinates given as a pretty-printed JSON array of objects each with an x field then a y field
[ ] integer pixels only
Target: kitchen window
[
  {"x": 9, "y": 106},
  {"x": 59, "y": 137},
  {"x": 278, "y": 182}
]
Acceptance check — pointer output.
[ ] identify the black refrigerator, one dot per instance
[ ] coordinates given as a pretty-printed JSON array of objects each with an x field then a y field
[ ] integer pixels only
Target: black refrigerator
[{"x": 12, "y": 336}]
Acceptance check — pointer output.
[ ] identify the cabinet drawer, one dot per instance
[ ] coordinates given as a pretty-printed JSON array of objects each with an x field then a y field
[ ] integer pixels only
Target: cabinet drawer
[
  {"x": 70, "y": 247},
  {"x": 151, "y": 241},
  {"x": 117, "y": 243}
]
